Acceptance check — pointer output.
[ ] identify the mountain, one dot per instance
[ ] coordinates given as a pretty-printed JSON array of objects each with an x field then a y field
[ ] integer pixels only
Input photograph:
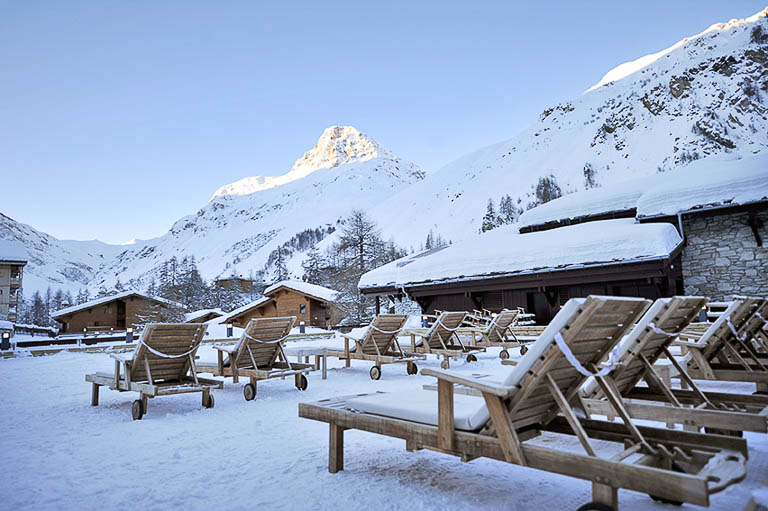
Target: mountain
[
  {"x": 66, "y": 264},
  {"x": 245, "y": 221},
  {"x": 705, "y": 95}
]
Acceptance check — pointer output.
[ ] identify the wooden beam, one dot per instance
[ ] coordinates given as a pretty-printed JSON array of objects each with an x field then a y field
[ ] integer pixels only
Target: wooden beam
[
  {"x": 336, "y": 449},
  {"x": 445, "y": 418}
]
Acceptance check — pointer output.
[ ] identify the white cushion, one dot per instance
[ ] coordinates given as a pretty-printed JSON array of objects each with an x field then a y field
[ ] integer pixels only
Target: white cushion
[{"x": 469, "y": 412}]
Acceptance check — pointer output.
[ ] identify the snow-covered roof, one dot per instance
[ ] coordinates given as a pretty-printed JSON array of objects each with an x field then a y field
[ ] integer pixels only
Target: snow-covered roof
[
  {"x": 226, "y": 317},
  {"x": 503, "y": 252},
  {"x": 110, "y": 298},
  {"x": 313, "y": 290},
  {"x": 13, "y": 251},
  {"x": 191, "y": 316},
  {"x": 5, "y": 325},
  {"x": 707, "y": 184},
  {"x": 703, "y": 184}
]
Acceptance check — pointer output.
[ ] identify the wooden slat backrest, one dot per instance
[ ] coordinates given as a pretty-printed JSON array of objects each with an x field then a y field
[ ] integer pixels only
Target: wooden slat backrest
[
  {"x": 673, "y": 316},
  {"x": 590, "y": 334},
  {"x": 715, "y": 340},
  {"x": 383, "y": 341},
  {"x": 757, "y": 321},
  {"x": 443, "y": 328},
  {"x": 169, "y": 339},
  {"x": 266, "y": 330},
  {"x": 499, "y": 325}
]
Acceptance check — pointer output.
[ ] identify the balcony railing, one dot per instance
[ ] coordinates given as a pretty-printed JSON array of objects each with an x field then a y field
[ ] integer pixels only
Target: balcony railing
[{"x": 15, "y": 281}]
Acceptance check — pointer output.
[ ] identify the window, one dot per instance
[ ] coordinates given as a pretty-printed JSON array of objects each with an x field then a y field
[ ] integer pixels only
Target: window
[
  {"x": 106, "y": 310},
  {"x": 303, "y": 308}
]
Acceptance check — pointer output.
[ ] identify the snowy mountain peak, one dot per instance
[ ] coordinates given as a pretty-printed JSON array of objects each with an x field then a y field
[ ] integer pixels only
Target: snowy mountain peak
[
  {"x": 631, "y": 67},
  {"x": 336, "y": 146}
]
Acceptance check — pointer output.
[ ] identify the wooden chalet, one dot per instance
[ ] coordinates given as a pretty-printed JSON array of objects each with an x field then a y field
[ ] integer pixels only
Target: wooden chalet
[
  {"x": 311, "y": 304},
  {"x": 118, "y": 312},
  {"x": 538, "y": 271}
]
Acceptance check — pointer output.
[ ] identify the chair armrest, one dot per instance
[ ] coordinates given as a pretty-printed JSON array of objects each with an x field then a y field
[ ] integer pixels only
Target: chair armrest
[
  {"x": 228, "y": 349},
  {"x": 416, "y": 331},
  {"x": 122, "y": 357},
  {"x": 485, "y": 387}
]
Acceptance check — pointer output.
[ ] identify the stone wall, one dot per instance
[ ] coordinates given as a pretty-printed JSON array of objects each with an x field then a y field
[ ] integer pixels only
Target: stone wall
[{"x": 722, "y": 258}]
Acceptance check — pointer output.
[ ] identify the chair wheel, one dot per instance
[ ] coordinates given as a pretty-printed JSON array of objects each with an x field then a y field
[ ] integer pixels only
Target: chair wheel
[
  {"x": 249, "y": 392},
  {"x": 471, "y": 358},
  {"x": 412, "y": 368},
  {"x": 504, "y": 354},
  {"x": 210, "y": 401},
  {"x": 301, "y": 382},
  {"x": 444, "y": 364},
  {"x": 595, "y": 506},
  {"x": 375, "y": 372},
  {"x": 523, "y": 350},
  {"x": 137, "y": 410}
]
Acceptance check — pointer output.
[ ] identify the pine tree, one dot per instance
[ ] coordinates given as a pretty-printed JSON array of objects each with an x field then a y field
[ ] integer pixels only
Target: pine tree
[
  {"x": 508, "y": 212},
  {"x": 281, "y": 270},
  {"x": 58, "y": 300},
  {"x": 312, "y": 266},
  {"x": 39, "y": 314},
  {"x": 119, "y": 286},
  {"x": 489, "y": 219}
]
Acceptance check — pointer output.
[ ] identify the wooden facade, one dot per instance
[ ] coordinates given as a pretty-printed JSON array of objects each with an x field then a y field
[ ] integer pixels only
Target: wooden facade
[
  {"x": 285, "y": 301},
  {"x": 119, "y": 313},
  {"x": 543, "y": 293}
]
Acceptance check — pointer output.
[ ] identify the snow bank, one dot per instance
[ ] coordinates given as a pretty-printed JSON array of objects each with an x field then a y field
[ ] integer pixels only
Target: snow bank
[
  {"x": 707, "y": 183},
  {"x": 711, "y": 182},
  {"x": 503, "y": 251}
]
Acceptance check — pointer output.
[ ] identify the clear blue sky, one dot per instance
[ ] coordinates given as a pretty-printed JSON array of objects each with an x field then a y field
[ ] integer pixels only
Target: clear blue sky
[{"x": 117, "y": 118}]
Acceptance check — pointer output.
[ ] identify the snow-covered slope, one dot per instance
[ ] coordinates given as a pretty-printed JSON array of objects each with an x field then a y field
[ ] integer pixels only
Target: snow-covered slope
[
  {"x": 66, "y": 264},
  {"x": 246, "y": 220},
  {"x": 706, "y": 95}
]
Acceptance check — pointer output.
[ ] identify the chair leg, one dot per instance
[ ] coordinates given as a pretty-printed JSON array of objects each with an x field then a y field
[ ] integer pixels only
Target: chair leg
[
  {"x": 95, "y": 394},
  {"x": 604, "y": 494},
  {"x": 144, "y": 400},
  {"x": 336, "y": 449}
]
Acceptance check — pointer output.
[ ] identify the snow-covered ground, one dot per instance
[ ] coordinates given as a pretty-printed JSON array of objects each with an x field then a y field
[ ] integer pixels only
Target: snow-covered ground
[{"x": 58, "y": 452}]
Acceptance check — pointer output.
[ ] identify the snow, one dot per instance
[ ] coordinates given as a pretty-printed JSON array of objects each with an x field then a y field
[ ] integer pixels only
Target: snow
[
  {"x": 107, "y": 299},
  {"x": 61, "y": 453},
  {"x": 628, "y": 68},
  {"x": 229, "y": 315},
  {"x": 708, "y": 183},
  {"x": 323, "y": 293},
  {"x": 5, "y": 325},
  {"x": 503, "y": 252},
  {"x": 613, "y": 198},
  {"x": 191, "y": 316},
  {"x": 713, "y": 182},
  {"x": 13, "y": 251}
]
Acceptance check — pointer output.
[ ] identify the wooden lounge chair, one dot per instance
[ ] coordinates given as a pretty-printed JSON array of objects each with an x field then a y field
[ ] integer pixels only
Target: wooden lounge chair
[
  {"x": 163, "y": 363},
  {"x": 715, "y": 355},
  {"x": 379, "y": 344},
  {"x": 498, "y": 332},
  {"x": 644, "y": 346},
  {"x": 540, "y": 394},
  {"x": 258, "y": 355},
  {"x": 442, "y": 339}
]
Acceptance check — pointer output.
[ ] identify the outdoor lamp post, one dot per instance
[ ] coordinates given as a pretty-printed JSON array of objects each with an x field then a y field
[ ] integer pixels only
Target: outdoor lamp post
[
  {"x": 302, "y": 327},
  {"x": 6, "y": 342},
  {"x": 128, "y": 335},
  {"x": 424, "y": 321},
  {"x": 229, "y": 329}
]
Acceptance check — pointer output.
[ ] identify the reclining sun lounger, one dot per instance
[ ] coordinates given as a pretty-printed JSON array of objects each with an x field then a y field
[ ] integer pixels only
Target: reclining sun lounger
[
  {"x": 498, "y": 331},
  {"x": 442, "y": 339},
  {"x": 540, "y": 394},
  {"x": 714, "y": 356},
  {"x": 258, "y": 355},
  {"x": 643, "y": 347},
  {"x": 162, "y": 364},
  {"x": 379, "y": 344}
]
